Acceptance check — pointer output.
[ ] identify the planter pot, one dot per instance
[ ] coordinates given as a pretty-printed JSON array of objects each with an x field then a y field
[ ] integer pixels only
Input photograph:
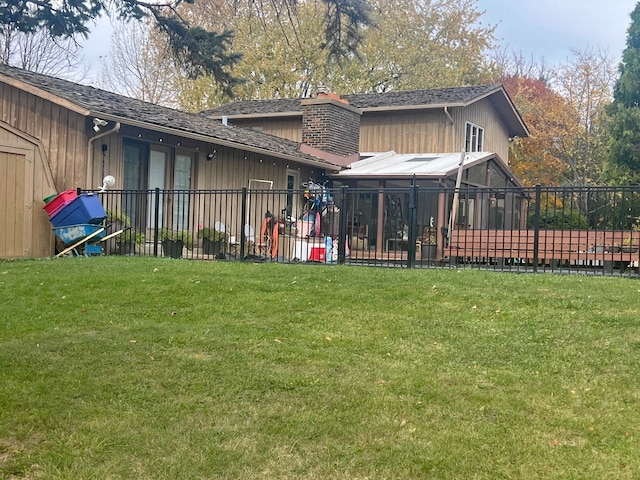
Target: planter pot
[
  {"x": 126, "y": 249},
  {"x": 429, "y": 251},
  {"x": 211, "y": 247},
  {"x": 172, "y": 249},
  {"x": 629, "y": 249}
]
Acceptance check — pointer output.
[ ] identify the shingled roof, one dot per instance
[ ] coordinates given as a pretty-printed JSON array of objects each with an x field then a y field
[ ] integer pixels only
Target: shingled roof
[
  {"x": 92, "y": 101},
  {"x": 401, "y": 100}
]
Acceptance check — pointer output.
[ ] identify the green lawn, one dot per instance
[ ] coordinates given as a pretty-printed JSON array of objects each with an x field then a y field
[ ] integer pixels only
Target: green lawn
[{"x": 143, "y": 368}]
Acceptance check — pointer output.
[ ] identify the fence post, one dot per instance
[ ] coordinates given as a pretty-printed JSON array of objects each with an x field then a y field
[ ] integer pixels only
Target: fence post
[
  {"x": 243, "y": 213},
  {"x": 536, "y": 229},
  {"x": 342, "y": 227},
  {"x": 156, "y": 220},
  {"x": 413, "y": 218}
]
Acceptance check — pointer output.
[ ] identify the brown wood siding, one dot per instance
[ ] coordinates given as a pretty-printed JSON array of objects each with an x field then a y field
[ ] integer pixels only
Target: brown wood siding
[
  {"x": 409, "y": 131},
  {"x": 289, "y": 128},
  {"x": 62, "y": 133},
  {"x": 12, "y": 180},
  {"x": 229, "y": 169},
  {"x": 232, "y": 169},
  {"x": 405, "y": 132},
  {"x": 482, "y": 113},
  {"x": 42, "y": 241},
  {"x": 25, "y": 180}
]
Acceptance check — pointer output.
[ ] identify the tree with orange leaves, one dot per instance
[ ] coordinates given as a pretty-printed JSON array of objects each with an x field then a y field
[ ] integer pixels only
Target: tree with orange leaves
[{"x": 537, "y": 159}]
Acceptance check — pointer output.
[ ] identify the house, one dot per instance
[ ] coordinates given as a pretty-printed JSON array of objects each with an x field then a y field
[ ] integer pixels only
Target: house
[
  {"x": 405, "y": 137},
  {"x": 57, "y": 135}
]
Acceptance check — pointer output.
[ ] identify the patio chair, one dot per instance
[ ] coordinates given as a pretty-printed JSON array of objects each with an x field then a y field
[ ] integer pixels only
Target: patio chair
[{"x": 255, "y": 246}]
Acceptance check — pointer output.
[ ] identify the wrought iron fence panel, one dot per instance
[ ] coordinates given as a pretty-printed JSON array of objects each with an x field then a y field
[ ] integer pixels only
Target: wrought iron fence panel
[{"x": 559, "y": 229}]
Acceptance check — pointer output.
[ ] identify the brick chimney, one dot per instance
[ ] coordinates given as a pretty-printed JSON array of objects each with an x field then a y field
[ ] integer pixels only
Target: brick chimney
[{"x": 330, "y": 124}]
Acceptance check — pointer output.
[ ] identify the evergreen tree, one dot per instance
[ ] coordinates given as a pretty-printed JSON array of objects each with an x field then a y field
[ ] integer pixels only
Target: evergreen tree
[
  {"x": 196, "y": 50},
  {"x": 625, "y": 109}
]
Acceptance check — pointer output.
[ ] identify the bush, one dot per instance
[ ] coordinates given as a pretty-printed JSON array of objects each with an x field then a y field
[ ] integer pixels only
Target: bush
[{"x": 559, "y": 219}]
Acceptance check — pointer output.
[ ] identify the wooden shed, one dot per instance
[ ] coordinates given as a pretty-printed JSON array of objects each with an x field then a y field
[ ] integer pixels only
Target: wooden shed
[{"x": 25, "y": 180}]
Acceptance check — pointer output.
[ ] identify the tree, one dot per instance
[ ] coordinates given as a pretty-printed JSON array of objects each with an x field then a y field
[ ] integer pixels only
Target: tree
[
  {"x": 509, "y": 63},
  {"x": 625, "y": 109},
  {"x": 38, "y": 52},
  {"x": 424, "y": 44},
  {"x": 413, "y": 44},
  {"x": 564, "y": 108},
  {"x": 536, "y": 159},
  {"x": 586, "y": 82},
  {"x": 196, "y": 50},
  {"x": 140, "y": 66}
]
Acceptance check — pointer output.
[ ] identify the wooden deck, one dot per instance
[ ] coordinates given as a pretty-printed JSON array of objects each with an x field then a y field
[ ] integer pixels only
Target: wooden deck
[{"x": 570, "y": 247}]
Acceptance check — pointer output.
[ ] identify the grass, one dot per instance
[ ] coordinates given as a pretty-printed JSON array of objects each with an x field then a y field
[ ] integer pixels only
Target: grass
[{"x": 121, "y": 368}]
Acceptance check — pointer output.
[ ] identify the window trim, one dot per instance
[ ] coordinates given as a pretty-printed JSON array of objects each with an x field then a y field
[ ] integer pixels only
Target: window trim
[{"x": 473, "y": 137}]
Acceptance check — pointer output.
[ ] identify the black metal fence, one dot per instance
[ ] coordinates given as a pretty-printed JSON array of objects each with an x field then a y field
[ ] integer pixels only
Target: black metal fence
[{"x": 559, "y": 229}]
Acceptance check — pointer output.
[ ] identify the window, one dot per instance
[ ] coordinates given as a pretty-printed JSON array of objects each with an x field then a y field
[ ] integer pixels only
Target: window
[{"x": 474, "y": 138}]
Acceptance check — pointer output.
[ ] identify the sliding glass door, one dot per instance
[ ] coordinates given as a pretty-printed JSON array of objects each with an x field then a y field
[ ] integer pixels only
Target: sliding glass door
[{"x": 147, "y": 167}]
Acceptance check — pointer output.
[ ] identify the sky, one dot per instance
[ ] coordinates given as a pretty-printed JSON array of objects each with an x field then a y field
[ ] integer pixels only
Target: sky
[
  {"x": 539, "y": 29},
  {"x": 551, "y": 29}
]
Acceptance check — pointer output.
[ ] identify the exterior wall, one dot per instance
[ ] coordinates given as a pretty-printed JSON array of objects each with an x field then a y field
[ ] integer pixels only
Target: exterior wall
[
  {"x": 482, "y": 113},
  {"x": 229, "y": 169},
  {"x": 289, "y": 127},
  {"x": 418, "y": 131},
  {"x": 60, "y": 130},
  {"x": 25, "y": 180}
]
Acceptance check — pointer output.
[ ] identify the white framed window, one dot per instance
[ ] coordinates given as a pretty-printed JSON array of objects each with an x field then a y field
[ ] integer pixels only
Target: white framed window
[{"x": 474, "y": 138}]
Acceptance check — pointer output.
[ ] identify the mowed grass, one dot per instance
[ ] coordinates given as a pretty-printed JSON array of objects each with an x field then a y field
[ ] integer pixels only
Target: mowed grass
[{"x": 143, "y": 368}]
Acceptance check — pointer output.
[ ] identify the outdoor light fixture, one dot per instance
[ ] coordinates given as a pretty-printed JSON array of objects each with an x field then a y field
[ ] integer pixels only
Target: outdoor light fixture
[
  {"x": 97, "y": 123},
  {"x": 211, "y": 156}
]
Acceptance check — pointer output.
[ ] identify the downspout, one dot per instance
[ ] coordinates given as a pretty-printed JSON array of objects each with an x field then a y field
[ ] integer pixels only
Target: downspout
[
  {"x": 453, "y": 128},
  {"x": 115, "y": 129}
]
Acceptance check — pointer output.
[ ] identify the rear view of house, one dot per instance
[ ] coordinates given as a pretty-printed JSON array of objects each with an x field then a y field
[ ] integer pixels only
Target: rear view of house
[{"x": 57, "y": 135}]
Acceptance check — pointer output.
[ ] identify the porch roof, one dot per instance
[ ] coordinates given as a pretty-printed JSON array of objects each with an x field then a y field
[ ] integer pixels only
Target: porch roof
[
  {"x": 421, "y": 165},
  {"x": 93, "y": 102}
]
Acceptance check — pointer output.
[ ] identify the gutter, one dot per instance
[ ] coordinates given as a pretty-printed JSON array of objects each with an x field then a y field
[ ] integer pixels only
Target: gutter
[{"x": 320, "y": 163}]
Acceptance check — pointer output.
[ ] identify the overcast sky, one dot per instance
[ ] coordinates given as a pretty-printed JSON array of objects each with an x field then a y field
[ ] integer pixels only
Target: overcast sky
[
  {"x": 551, "y": 29},
  {"x": 542, "y": 29}
]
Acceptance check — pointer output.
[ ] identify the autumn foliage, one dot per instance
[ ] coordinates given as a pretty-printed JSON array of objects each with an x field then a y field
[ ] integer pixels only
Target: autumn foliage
[{"x": 548, "y": 116}]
